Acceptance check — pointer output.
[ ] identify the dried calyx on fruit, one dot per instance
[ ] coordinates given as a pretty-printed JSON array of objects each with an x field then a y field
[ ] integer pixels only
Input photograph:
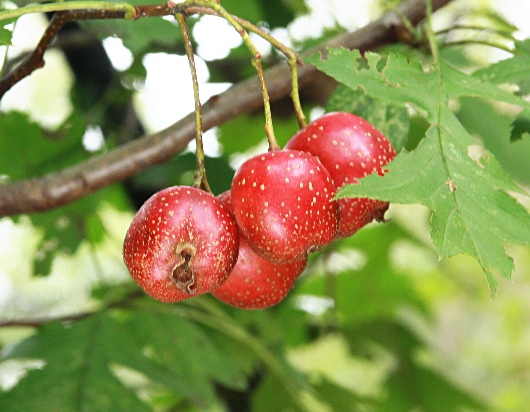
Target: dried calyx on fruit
[{"x": 182, "y": 243}]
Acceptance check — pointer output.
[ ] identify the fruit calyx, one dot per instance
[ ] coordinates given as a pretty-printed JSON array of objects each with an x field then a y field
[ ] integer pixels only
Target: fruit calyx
[{"x": 182, "y": 273}]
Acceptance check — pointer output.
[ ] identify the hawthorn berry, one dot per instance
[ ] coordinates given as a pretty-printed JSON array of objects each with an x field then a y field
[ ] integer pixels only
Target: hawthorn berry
[
  {"x": 182, "y": 243},
  {"x": 282, "y": 203},
  {"x": 350, "y": 148},
  {"x": 256, "y": 283}
]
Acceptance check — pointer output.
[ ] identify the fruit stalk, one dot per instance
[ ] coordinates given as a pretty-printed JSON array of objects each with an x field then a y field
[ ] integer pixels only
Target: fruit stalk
[
  {"x": 256, "y": 63},
  {"x": 200, "y": 174},
  {"x": 293, "y": 59}
]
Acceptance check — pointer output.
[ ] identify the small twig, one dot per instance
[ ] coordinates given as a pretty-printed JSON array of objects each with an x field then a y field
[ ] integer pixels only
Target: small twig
[
  {"x": 127, "y": 11},
  {"x": 36, "y": 322},
  {"x": 36, "y": 60},
  {"x": 504, "y": 33},
  {"x": 476, "y": 42},
  {"x": 200, "y": 174},
  {"x": 71, "y": 11}
]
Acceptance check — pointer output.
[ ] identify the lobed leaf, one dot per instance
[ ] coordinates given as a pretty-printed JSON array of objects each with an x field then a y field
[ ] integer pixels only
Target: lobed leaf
[
  {"x": 82, "y": 359},
  {"x": 449, "y": 171}
]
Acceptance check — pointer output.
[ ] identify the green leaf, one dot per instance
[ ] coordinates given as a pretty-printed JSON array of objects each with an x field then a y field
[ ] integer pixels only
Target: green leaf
[
  {"x": 139, "y": 36},
  {"x": 77, "y": 374},
  {"x": 191, "y": 355},
  {"x": 512, "y": 154},
  {"x": 373, "y": 290},
  {"x": 28, "y": 151},
  {"x": 6, "y": 34},
  {"x": 520, "y": 126},
  {"x": 64, "y": 229},
  {"x": 513, "y": 70},
  {"x": 38, "y": 152},
  {"x": 82, "y": 360},
  {"x": 393, "y": 121},
  {"x": 243, "y": 132},
  {"x": 271, "y": 395},
  {"x": 179, "y": 171},
  {"x": 339, "y": 398},
  {"x": 411, "y": 385},
  {"x": 5, "y": 37},
  {"x": 277, "y": 13},
  {"x": 463, "y": 184}
]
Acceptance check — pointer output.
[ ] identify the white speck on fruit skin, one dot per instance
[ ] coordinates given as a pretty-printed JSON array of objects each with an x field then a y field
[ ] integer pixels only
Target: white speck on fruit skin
[
  {"x": 147, "y": 253},
  {"x": 291, "y": 169}
]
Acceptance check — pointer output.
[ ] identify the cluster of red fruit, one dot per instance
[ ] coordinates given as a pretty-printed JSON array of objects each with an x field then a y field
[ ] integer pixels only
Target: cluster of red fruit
[{"x": 248, "y": 245}]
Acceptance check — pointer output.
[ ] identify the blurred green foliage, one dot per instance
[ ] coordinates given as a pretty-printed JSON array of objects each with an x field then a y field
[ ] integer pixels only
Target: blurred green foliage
[{"x": 376, "y": 322}]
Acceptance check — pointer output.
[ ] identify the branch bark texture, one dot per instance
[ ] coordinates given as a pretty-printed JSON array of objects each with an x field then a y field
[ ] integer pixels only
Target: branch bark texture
[{"x": 59, "y": 188}]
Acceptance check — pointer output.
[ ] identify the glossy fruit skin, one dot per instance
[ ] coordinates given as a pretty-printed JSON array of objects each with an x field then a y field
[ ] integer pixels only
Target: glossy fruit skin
[
  {"x": 350, "y": 148},
  {"x": 182, "y": 243},
  {"x": 256, "y": 283},
  {"x": 282, "y": 203}
]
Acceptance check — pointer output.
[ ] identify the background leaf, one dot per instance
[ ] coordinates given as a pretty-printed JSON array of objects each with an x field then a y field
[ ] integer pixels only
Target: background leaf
[
  {"x": 166, "y": 349},
  {"x": 392, "y": 121}
]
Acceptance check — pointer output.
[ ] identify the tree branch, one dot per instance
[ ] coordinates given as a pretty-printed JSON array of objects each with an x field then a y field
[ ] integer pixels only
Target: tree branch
[{"x": 65, "y": 186}]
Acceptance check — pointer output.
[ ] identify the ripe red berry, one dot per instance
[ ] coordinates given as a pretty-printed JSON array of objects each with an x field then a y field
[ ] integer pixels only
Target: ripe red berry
[
  {"x": 256, "y": 283},
  {"x": 350, "y": 148},
  {"x": 282, "y": 202},
  {"x": 182, "y": 243}
]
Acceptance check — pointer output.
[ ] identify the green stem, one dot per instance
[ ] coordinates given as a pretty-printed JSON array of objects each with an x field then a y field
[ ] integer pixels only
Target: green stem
[
  {"x": 476, "y": 42},
  {"x": 431, "y": 36},
  {"x": 225, "y": 325},
  {"x": 4, "y": 57},
  {"x": 295, "y": 94},
  {"x": 503, "y": 33},
  {"x": 128, "y": 9},
  {"x": 293, "y": 59},
  {"x": 200, "y": 175},
  {"x": 256, "y": 63},
  {"x": 405, "y": 22}
]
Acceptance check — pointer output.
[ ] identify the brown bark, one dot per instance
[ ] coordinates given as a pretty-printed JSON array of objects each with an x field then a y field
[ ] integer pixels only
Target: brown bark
[{"x": 59, "y": 188}]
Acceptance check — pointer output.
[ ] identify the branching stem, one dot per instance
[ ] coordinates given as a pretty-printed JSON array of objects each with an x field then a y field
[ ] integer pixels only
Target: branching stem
[
  {"x": 256, "y": 63},
  {"x": 36, "y": 60},
  {"x": 293, "y": 59}
]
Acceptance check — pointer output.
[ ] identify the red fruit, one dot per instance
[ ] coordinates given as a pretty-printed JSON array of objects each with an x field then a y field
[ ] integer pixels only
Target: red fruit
[
  {"x": 256, "y": 283},
  {"x": 282, "y": 202},
  {"x": 182, "y": 243},
  {"x": 350, "y": 148}
]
